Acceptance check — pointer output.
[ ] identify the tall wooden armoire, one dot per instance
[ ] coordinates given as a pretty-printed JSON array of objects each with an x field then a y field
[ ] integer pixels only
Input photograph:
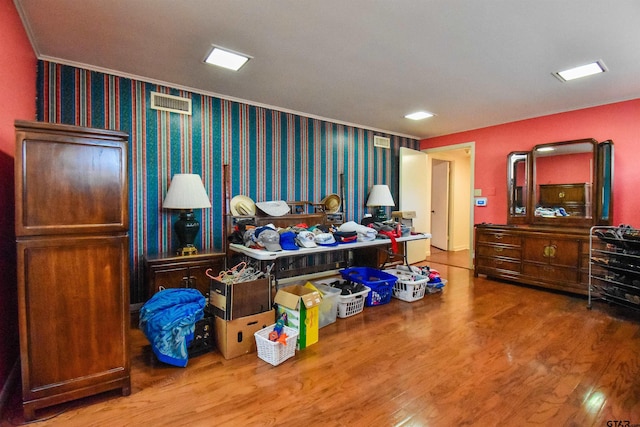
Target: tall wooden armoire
[{"x": 73, "y": 262}]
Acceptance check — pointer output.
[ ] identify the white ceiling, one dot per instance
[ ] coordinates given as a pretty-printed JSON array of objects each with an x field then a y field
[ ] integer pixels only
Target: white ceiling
[{"x": 368, "y": 63}]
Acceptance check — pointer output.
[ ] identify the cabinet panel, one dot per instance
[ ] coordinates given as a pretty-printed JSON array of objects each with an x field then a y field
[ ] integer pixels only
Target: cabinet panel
[
  {"x": 71, "y": 180},
  {"x": 552, "y": 251},
  {"x": 171, "y": 271},
  {"x": 80, "y": 277}
]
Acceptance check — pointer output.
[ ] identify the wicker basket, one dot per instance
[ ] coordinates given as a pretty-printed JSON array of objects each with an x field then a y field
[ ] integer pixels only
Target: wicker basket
[{"x": 275, "y": 352}]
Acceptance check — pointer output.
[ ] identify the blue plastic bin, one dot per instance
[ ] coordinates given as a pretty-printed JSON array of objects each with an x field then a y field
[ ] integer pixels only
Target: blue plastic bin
[{"x": 380, "y": 282}]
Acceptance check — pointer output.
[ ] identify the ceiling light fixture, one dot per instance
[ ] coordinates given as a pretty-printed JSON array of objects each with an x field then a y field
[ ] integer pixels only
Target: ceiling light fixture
[
  {"x": 226, "y": 58},
  {"x": 581, "y": 71},
  {"x": 419, "y": 115}
]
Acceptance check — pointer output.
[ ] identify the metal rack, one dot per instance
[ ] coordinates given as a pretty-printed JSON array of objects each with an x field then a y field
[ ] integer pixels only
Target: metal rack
[{"x": 614, "y": 265}]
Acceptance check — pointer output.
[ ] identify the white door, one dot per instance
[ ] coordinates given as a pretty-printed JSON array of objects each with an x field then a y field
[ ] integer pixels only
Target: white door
[
  {"x": 414, "y": 196},
  {"x": 440, "y": 205}
]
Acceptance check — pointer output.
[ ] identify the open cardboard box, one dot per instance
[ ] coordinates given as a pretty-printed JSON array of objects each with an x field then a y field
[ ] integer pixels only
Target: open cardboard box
[
  {"x": 235, "y": 337},
  {"x": 301, "y": 307}
]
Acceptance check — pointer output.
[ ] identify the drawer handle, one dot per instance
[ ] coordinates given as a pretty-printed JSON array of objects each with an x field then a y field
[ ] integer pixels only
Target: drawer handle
[
  {"x": 498, "y": 236},
  {"x": 498, "y": 249}
]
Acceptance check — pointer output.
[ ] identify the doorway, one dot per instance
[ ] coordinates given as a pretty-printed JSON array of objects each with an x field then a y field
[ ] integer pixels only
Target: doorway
[
  {"x": 440, "y": 204},
  {"x": 457, "y": 194}
]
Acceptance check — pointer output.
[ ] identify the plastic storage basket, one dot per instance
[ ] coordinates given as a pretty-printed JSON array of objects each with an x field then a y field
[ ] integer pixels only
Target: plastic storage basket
[
  {"x": 409, "y": 286},
  {"x": 275, "y": 352},
  {"x": 380, "y": 283},
  {"x": 348, "y": 305},
  {"x": 328, "y": 309}
]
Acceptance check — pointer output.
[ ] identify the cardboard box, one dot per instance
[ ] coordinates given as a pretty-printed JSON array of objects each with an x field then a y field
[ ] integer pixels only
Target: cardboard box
[
  {"x": 404, "y": 217},
  {"x": 301, "y": 306},
  {"x": 403, "y": 214},
  {"x": 235, "y": 337},
  {"x": 232, "y": 301}
]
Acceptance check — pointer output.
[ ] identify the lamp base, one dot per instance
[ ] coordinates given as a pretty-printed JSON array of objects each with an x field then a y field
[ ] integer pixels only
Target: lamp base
[
  {"x": 186, "y": 228},
  {"x": 187, "y": 250},
  {"x": 380, "y": 215}
]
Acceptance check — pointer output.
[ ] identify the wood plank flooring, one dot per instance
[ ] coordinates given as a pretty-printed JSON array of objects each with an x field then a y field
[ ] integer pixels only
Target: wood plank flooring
[
  {"x": 451, "y": 258},
  {"x": 482, "y": 353}
]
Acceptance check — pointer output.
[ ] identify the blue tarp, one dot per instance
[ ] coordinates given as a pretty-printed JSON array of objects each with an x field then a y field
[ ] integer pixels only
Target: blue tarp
[{"x": 168, "y": 321}]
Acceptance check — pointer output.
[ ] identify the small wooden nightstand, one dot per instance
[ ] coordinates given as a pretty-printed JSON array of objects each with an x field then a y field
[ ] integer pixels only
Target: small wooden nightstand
[{"x": 189, "y": 271}]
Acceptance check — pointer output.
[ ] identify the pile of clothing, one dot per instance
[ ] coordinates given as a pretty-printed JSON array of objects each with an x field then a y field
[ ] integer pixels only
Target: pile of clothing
[{"x": 168, "y": 321}]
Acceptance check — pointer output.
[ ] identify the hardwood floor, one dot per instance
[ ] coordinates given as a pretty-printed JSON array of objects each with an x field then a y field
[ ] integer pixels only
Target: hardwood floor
[
  {"x": 480, "y": 353},
  {"x": 452, "y": 258}
]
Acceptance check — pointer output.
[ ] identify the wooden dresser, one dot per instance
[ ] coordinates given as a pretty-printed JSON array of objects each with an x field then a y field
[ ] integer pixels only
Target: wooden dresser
[
  {"x": 547, "y": 257},
  {"x": 72, "y": 223}
]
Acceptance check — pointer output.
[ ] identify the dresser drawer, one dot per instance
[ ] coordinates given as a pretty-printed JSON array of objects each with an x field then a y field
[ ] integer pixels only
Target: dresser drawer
[
  {"x": 498, "y": 237},
  {"x": 498, "y": 251},
  {"x": 551, "y": 273},
  {"x": 499, "y": 266}
]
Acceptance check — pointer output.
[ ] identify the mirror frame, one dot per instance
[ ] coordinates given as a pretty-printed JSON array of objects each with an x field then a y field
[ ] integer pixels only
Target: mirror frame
[
  {"x": 604, "y": 188},
  {"x": 568, "y": 220},
  {"x": 512, "y": 159}
]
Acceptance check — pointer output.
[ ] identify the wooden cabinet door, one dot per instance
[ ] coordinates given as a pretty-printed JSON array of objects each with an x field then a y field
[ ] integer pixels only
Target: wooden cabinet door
[
  {"x": 171, "y": 271},
  {"x": 74, "y": 315},
  {"x": 70, "y": 180}
]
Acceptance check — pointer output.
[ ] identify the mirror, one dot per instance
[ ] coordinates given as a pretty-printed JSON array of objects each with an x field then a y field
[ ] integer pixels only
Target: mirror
[
  {"x": 563, "y": 182},
  {"x": 604, "y": 192},
  {"x": 518, "y": 185}
]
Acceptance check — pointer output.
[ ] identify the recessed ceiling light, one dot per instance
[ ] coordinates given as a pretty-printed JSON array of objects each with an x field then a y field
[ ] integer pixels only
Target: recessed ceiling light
[
  {"x": 226, "y": 58},
  {"x": 581, "y": 71},
  {"x": 419, "y": 115}
]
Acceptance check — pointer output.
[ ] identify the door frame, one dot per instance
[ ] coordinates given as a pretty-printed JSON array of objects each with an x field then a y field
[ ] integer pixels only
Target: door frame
[{"x": 471, "y": 146}]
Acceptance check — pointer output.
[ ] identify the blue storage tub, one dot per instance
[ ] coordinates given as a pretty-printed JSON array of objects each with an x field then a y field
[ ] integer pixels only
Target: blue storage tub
[{"x": 380, "y": 282}]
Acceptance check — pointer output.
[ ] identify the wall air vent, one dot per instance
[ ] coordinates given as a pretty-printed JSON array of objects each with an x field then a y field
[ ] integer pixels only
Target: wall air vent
[
  {"x": 173, "y": 104},
  {"x": 382, "y": 142}
]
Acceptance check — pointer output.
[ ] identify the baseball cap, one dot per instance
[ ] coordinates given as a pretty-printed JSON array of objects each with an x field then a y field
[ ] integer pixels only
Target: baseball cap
[
  {"x": 325, "y": 239},
  {"x": 306, "y": 239},
  {"x": 288, "y": 241},
  {"x": 270, "y": 240}
]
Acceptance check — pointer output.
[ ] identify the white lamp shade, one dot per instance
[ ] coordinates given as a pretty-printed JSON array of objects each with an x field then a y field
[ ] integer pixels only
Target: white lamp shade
[
  {"x": 186, "y": 191},
  {"x": 380, "y": 195}
]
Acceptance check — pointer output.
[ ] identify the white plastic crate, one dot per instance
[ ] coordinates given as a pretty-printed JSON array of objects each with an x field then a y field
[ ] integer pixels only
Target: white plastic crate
[
  {"x": 275, "y": 352},
  {"x": 410, "y": 286},
  {"x": 328, "y": 309},
  {"x": 348, "y": 305}
]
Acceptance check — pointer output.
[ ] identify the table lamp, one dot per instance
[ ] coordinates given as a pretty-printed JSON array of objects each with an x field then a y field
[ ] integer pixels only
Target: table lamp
[
  {"x": 186, "y": 193},
  {"x": 379, "y": 197}
]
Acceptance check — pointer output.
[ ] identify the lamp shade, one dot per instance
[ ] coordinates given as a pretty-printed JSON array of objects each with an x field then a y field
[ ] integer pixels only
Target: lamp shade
[
  {"x": 186, "y": 191},
  {"x": 380, "y": 195}
]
